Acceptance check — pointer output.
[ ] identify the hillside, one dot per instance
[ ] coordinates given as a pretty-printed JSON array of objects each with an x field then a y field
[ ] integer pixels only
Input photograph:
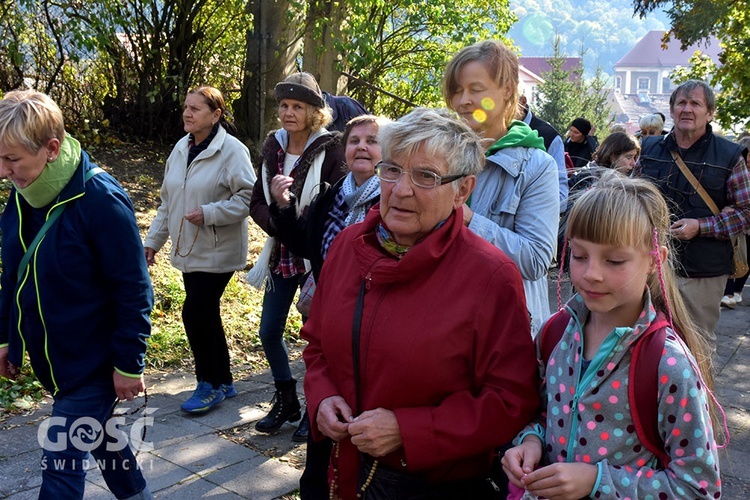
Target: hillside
[{"x": 607, "y": 30}]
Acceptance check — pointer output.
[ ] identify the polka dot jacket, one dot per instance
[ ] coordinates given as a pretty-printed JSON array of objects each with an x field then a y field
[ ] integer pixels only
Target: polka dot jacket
[{"x": 588, "y": 416}]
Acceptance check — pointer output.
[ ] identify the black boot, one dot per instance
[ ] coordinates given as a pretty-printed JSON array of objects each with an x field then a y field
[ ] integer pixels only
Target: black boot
[
  {"x": 285, "y": 407},
  {"x": 300, "y": 435}
]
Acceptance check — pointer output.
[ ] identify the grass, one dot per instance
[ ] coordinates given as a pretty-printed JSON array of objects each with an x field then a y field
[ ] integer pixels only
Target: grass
[{"x": 241, "y": 310}]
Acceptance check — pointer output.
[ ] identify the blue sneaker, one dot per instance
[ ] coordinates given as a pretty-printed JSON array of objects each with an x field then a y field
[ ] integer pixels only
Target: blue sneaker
[
  {"x": 203, "y": 399},
  {"x": 228, "y": 390}
]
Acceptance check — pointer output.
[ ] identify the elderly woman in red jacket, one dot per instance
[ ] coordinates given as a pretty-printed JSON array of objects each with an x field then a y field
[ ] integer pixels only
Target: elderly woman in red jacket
[{"x": 420, "y": 360}]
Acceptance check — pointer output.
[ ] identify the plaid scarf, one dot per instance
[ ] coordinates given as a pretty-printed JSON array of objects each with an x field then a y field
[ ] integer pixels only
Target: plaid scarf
[{"x": 349, "y": 207}]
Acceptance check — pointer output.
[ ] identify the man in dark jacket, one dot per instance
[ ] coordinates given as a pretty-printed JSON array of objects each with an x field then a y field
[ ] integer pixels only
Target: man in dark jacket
[
  {"x": 704, "y": 252},
  {"x": 579, "y": 144},
  {"x": 553, "y": 143},
  {"x": 343, "y": 109}
]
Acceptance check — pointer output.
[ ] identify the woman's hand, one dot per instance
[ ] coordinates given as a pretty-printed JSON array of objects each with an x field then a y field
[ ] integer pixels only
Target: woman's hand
[
  {"x": 562, "y": 481},
  {"x": 376, "y": 432},
  {"x": 333, "y": 418},
  {"x": 195, "y": 217},
  {"x": 7, "y": 369},
  {"x": 127, "y": 388},
  {"x": 280, "y": 185},
  {"x": 522, "y": 459},
  {"x": 150, "y": 256}
]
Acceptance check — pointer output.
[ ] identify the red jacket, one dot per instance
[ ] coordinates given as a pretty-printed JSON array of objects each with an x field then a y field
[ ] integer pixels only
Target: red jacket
[{"x": 445, "y": 344}]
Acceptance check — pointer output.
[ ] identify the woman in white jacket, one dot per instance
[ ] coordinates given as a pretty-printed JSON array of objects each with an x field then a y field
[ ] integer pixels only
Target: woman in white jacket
[{"x": 205, "y": 200}]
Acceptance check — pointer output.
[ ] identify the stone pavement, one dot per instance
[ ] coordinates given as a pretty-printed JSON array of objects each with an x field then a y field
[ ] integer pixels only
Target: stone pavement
[
  {"x": 191, "y": 456},
  {"x": 193, "y": 459}
]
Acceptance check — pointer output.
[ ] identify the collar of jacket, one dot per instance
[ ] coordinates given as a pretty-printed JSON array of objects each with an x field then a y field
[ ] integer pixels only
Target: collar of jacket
[
  {"x": 510, "y": 159},
  {"x": 320, "y": 140},
  {"x": 212, "y": 149},
  {"x": 670, "y": 142},
  {"x": 577, "y": 308},
  {"x": 420, "y": 260},
  {"x": 76, "y": 185}
]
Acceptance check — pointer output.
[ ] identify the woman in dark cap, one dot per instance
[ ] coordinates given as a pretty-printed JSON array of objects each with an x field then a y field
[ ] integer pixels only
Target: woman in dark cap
[
  {"x": 297, "y": 158},
  {"x": 579, "y": 144}
]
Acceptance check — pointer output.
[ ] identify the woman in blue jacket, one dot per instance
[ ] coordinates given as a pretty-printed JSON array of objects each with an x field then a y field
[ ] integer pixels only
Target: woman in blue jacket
[
  {"x": 515, "y": 205},
  {"x": 75, "y": 294}
]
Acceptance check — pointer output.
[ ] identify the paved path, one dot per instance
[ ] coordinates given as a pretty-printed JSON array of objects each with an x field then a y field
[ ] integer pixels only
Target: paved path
[{"x": 191, "y": 459}]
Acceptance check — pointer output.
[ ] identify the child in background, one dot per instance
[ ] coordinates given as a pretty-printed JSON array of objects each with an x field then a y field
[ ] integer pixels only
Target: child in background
[{"x": 618, "y": 232}]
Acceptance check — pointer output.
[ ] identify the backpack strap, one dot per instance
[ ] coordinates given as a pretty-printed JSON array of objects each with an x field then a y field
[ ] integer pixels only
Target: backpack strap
[
  {"x": 643, "y": 375},
  {"x": 551, "y": 333},
  {"x": 643, "y": 387}
]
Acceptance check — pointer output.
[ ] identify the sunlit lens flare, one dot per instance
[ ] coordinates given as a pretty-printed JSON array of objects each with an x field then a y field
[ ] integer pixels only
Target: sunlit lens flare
[
  {"x": 479, "y": 116},
  {"x": 488, "y": 104}
]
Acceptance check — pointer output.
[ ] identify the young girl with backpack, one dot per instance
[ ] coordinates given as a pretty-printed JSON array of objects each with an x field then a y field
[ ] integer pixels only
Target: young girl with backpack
[{"x": 588, "y": 440}]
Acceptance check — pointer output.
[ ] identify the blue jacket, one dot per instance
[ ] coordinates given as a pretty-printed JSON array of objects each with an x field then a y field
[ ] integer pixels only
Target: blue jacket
[
  {"x": 516, "y": 208},
  {"x": 82, "y": 307}
]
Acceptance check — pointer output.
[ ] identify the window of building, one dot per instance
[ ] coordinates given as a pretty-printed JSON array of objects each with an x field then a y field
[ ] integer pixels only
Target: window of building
[{"x": 644, "y": 84}]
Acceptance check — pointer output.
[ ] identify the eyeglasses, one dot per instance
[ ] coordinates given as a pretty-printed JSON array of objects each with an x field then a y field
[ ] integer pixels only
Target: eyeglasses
[{"x": 420, "y": 177}]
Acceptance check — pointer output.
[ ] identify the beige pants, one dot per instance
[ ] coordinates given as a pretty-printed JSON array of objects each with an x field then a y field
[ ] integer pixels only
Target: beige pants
[{"x": 703, "y": 300}]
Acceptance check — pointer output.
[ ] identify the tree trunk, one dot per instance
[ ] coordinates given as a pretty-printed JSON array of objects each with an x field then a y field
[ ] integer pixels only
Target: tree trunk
[
  {"x": 272, "y": 46},
  {"x": 320, "y": 57}
]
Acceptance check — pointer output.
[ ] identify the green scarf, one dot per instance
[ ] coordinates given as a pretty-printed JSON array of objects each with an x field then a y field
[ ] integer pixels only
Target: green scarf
[
  {"x": 55, "y": 175},
  {"x": 519, "y": 135}
]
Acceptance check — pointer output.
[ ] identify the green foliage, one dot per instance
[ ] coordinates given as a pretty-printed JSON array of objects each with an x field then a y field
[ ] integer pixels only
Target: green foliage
[
  {"x": 564, "y": 95},
  {"x": 696, "y": 20},
  {"x": 241, "y": 309},
  {"x": 701, "y": 67},
  {"x": 403, "y": 46},
  {"x": 20, "y": 394},
  {"x": 127, "y": 61}
]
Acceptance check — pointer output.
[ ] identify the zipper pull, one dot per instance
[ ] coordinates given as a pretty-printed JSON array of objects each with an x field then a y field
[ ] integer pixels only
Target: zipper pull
[{"x": 368, "y": 280}]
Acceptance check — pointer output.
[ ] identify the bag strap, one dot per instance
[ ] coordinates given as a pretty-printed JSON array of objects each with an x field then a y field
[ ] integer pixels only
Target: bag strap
[
  {"x": 51, "y": 218},
  {"x": 694, "y": 182},
  {"x": 644, "y": 385},
  {"x": 643, "y": 376},
  {"x": 356, "y": 333}
]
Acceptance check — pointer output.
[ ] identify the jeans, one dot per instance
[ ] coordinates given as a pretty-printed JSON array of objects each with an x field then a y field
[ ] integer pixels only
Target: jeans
[
  {"x": 201, "y": 315},
  {"x": 63, "y": 474},
  {"x": 277, "y": 300}
]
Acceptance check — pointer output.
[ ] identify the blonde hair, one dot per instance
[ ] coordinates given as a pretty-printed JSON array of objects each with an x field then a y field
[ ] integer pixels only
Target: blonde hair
[
  {"x": 30, "y": 119},
  {"x": 631, "y": 212},
  {"x": 499, "y": 61},
  {"x": 317, "y": 118},
  {"x": 652, "y": 122}
]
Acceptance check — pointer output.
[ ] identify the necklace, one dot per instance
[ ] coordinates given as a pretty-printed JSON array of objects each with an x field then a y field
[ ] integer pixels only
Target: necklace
[{"x": 179, "y": 237}]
